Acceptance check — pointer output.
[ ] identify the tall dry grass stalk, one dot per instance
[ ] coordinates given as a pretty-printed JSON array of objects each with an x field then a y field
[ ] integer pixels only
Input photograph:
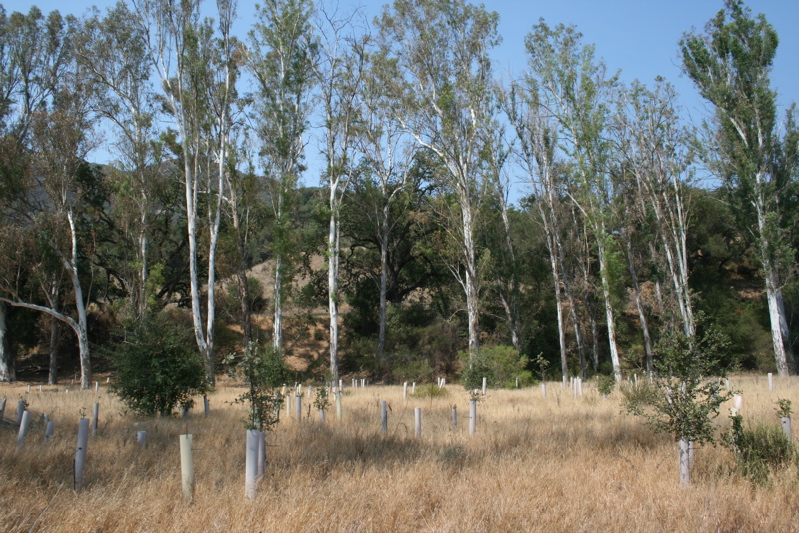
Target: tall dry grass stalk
[{"x": 554, "y": 464}]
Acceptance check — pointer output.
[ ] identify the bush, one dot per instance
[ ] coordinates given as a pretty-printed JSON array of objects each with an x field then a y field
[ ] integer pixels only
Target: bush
[
  {"x": 158, "y": 366},
  {"x": 759, "y": 449},
  {"x": 605, "y": 384},
  {"x": 500, "y": 365},
  {"x": 264, "y": 371},
  {"x": 683, "y": 397}
]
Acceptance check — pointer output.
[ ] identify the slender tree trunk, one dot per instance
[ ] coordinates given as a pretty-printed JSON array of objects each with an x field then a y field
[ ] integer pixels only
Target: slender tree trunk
[
  {"x": 553, "y": 247},
  {"x": 511, "y": 301},
  {"x": 381, "y": 336},
  {"x": 277, "y": 322},
  {"x": 640, "y": 306},
  {"x": 470, "y": 280},
  {"x": 589, "y": 306},
  {"x": 143, "y": 243},
  {"x": 7, "y": 370},
  {"x": 567, "y": 291},
  {"x": 55, "y": 337},
  {"x": 277, "y": 325},
  {"x": 332, "y": 280},
  {"x": 81, "y": 328},
  {"x": 609, "y": 314}
]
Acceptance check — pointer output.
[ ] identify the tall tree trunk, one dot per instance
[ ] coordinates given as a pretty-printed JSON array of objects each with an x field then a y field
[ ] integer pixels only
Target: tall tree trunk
[
  {"x": 470, "y": 279},
  {"x": 783, "y": 354},
  {"x": 332, "y": 279},
  {"x": 640, "y": 306},
  {"x": 780, "y": 333},
  {"x": 81, "y": 327},
  {"x": 609, "y": 314},
  {"x": 7, "y": 370},
  {"x": 589, "y": 306},
  {"x": 55, "y": 338},
  {"x": 277, "y": 323},
  {"x": 381, "y": 335}
]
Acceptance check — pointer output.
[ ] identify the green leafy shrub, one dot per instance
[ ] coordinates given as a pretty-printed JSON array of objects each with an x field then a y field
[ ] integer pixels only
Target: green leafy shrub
[
  {"x": 605, "y": 384},
  {"x": 759, "y": 449},
  {"x": 685, "y": 393},
  {"x": 500, "y": 365},
  {"x": 158, "y": 366},
  {"x": 264, "y": 371}
]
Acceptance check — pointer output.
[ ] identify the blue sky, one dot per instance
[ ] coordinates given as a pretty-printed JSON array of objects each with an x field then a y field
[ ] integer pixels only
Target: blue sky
[{"x": 637, "y": 36}]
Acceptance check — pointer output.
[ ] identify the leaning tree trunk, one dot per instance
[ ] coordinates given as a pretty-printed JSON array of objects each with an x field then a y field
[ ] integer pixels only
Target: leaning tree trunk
[
  {"x": 780, "y": 333},
  {"x": 609, "y": 314},
  {"x": 640, "y": 307}
]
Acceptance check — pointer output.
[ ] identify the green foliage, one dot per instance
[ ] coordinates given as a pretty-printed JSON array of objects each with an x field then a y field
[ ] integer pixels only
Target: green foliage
[
  {"x": 158, "y": 366},
  {"x": 759, "y": 450},
  {"x": 685, "y": 393},
  {"x": 605, "y": 384},
  {"x": 500, "y": 365},
  {"x": 783, "y": 408},
  {"x": 264, "y": 371},
  {"x": 415, "y": 370},
  {"x": 322, "y": 399}
]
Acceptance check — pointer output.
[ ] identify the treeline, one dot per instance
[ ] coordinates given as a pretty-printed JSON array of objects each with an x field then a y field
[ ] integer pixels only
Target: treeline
[{"x": 617, "y": 247}]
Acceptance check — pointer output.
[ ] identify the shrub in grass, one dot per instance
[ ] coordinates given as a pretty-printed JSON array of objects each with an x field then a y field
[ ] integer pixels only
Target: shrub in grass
[
  {"x": 759, "y": 449},
  {"x": 158, "y": 366},
  {"x": 500, "y": 365},
  {"x": 430, "y": 390}
]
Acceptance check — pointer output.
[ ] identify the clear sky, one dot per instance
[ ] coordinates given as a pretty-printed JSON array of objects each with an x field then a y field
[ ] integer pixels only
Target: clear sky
[{"x": 639, "y": 37}]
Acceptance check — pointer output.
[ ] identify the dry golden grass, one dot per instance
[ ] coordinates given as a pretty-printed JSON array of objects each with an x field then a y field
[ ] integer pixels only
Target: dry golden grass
[{"x": 554, "y": 464}]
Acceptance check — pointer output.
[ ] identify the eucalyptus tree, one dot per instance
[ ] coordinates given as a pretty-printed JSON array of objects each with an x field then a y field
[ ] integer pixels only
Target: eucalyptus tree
[
  {"x": 438, "y": 52},
  {"x": 113, "y": 51},
  {"x": 48, "y": 128},
  {"x": 654, "y": 148},
  {"x": 341, "y": 70},
  {"x": 388, "y": 154},
  {"x": 575, "y": 90},
  {"x": 752, "y": 152},
  {"x": 56, "y": 199},
  {"x": 197, "y": 68},
  {"x": 506, "y": 282},
  {"x": 34, "y": 50},
  {"x": 282, "y": 57},
  {"x": 537, "y": 151}
]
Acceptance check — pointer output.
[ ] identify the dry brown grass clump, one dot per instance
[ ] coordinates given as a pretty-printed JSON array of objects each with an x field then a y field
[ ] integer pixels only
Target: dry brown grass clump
[{"x": 554, "y": 464}]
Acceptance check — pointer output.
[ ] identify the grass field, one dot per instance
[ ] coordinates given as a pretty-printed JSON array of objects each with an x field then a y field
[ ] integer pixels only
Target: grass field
[{"x": 535, "y": 464}]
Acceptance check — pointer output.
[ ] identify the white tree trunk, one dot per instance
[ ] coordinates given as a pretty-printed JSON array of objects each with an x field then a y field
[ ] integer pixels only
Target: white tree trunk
[
  {"x": 81, "y": 328},
  {"x": 277, "y": 326},
  {"x": 470, "y": 279},
  {"x": 381, "y": 336},
  {"x": 332, "y": 279},
  {"x": 7, "y": 371},
  {"x": 609, "y": 314}
]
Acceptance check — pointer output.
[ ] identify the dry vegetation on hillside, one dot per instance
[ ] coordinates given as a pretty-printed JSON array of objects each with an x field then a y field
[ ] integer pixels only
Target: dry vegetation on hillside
[{"x": 554, "y": 464}]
